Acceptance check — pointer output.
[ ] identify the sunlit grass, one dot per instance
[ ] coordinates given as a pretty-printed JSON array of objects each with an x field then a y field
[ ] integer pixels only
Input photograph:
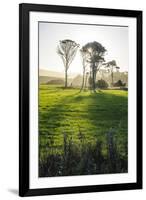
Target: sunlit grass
[{"x": 68, "y": 111}]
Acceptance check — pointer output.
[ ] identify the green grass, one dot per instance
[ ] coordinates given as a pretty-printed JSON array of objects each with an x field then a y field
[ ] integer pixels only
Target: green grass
[{"x": 70, "y": 112}]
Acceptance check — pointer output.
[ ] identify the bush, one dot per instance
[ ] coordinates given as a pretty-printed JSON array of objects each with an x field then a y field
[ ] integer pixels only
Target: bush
[
  {"x": 119, "y": 83},
  {"x": 102, "y": 84}
]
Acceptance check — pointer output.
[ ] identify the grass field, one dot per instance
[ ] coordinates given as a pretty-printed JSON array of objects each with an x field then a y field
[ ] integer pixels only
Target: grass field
[{"x": 66, "y": 111}]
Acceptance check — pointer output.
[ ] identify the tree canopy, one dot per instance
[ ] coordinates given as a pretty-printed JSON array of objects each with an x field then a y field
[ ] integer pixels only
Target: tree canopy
[
  {"x": 93, "y": 53},
  {"x": 67, "y": 50}
]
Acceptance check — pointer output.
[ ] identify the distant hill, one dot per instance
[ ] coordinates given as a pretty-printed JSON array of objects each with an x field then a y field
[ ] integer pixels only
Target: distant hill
[
  {"x": 47, "y": 79},
  {"x": 77, "y": 81},
  {"x": 46, "y": 76},
  {"x": 45, "y": 73},
  {"x": 56, "y": 82}
]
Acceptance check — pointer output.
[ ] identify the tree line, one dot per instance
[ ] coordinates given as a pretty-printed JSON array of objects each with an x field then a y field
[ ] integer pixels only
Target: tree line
[{"x": 92, "y": 55}]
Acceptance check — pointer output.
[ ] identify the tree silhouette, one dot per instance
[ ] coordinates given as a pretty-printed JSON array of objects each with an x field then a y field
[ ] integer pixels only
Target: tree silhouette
[
  {"x": 86, "y": 78},
  {"x": 84, "y": 63},
  {"x": 111, "y": 65},
  {"x": 94, "y": 55},
  {"x": 67, "y": 50}
]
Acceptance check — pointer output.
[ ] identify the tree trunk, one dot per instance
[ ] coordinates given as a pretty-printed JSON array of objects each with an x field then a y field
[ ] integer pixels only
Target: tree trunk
[
  {"x": 65, "y": 78},
  {"x": 90, "y": 80},
  {"x": 93, "y": 78},
  {"x": 83, "y": 80},
  {"x": 112, "y": 75},
  {"x": 112, "y": 79},
  {"x": 86, "y": 81}
]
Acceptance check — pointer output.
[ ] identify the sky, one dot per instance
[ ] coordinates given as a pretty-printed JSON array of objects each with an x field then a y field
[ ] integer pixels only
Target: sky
[{"x": 114, "y": 39}]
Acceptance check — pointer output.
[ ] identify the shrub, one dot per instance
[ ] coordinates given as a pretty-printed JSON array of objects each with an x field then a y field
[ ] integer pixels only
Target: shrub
[
  {"x": 102, "y": 84},
  {"x": 119, "y": 83}
]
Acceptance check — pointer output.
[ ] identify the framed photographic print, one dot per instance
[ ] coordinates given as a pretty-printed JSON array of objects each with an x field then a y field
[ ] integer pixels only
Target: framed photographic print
[{"x": 80, "y": 99}]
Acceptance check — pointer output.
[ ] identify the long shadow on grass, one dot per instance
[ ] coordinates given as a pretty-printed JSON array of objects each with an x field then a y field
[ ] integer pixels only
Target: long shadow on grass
[
  {"x": 101, "y": 111},
  {"x": 53, "y": 120},
  {"x": 103, "y": 106},
  {"x": 105, "y": 111}
]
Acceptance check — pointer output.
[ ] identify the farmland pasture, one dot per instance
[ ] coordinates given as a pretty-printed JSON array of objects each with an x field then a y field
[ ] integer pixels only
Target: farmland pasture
[{"x": 67, "y": 111}]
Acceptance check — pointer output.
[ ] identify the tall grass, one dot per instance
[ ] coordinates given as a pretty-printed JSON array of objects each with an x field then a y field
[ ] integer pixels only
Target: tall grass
[{"x": 83, "y": 158}]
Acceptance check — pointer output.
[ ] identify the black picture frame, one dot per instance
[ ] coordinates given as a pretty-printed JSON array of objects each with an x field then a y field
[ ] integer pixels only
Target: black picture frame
[{"x": 24, "y": 9}]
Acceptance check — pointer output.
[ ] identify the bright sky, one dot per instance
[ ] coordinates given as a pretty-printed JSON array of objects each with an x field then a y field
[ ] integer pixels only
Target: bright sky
[{"x": 114, "y": 39}]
